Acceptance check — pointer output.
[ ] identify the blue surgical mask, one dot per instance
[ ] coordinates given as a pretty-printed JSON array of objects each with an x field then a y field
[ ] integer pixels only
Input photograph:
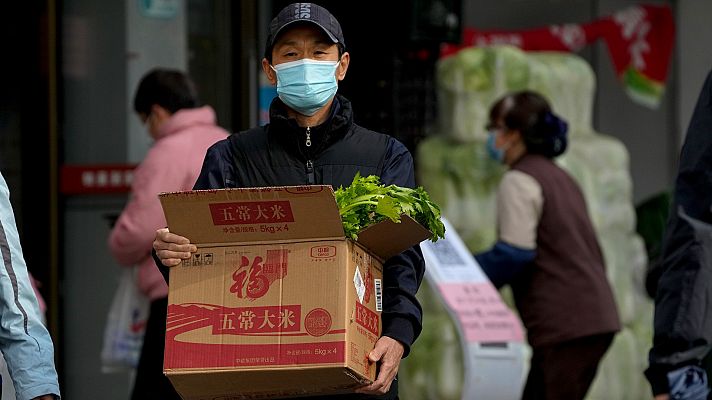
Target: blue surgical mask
[
  {"x": 492, "y": 150},
  {"x": 306, "y": 85}
]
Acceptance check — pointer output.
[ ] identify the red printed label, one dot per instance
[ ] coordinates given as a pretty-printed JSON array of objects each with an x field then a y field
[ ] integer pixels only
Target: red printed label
[
  {"x": 202, "y": 355},
  {"x": 258, "y": 321},
  {"x": 369, "y": 285},
  {"x": 304, "y": 189},
  {"x": 254, "y": 276},
  {"x": 367, "y": 318},
  {"x": 282, "y": 320},
  {"x": 250, "y": 320},
  {"x": 323, "y": 251},
  {"x": 317, "y": 322},
  {"x": 251, "y": 212}
]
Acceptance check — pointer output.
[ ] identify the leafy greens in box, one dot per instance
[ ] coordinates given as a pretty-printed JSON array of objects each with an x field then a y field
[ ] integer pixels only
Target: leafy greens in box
[{"x": 366, "y": 201}]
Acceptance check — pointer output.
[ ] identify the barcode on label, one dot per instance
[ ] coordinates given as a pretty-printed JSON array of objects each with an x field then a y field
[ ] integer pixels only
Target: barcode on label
[
  {"x": 379, "y": 295},
  {"x": 446, "y": 253}
]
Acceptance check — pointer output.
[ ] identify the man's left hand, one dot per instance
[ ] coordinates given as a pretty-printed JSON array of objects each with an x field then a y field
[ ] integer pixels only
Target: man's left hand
[{"x": 388, "y": 352}]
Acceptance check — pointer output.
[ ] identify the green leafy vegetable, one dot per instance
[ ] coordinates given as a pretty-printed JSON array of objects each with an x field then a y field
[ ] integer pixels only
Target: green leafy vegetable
[{"x": 366, "y": 201}]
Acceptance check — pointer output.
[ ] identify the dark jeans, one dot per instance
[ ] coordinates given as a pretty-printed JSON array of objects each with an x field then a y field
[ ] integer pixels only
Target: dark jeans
[
  {"x": 564, "y": 371},
  {"x": 391, "y": 395},
  {"x": 150, "y": 383}
]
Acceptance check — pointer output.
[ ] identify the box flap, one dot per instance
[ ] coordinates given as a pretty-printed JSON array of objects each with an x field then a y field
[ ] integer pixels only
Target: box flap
[
  {"x": 253, "y": 214},
  {"x": 387, "y": 238}
]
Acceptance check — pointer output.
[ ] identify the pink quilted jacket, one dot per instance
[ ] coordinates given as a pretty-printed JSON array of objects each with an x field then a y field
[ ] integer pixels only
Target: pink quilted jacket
[{"x": 173, "y": 163}]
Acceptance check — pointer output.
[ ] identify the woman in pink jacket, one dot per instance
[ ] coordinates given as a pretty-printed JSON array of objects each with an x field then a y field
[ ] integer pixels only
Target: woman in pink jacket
[{"x": 167, "y": 103}]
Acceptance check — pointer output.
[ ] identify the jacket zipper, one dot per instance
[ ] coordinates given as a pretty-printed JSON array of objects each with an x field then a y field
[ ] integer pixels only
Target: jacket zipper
[
  {"x": 310, "y": 172},
  {"x": 310, "y": 164}
]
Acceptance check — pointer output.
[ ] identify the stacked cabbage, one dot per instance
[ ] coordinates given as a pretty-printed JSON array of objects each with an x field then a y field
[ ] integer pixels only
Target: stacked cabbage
[{"x": 454, "y": 168}]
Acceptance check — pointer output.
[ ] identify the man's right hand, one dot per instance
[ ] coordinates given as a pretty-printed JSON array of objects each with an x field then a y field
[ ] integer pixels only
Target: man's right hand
[
  {"x": 662, "y": 397},
  {"x": 172, "y": 249}
]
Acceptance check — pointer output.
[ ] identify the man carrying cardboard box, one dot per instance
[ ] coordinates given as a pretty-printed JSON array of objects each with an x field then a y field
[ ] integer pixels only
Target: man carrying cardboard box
[{"x": 312, "y": 139}]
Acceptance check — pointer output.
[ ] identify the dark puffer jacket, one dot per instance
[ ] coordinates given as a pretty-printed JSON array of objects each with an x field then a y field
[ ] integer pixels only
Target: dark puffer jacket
[
  {"x": 282, "y": 153},
  {"x": 683, "y": 301}
]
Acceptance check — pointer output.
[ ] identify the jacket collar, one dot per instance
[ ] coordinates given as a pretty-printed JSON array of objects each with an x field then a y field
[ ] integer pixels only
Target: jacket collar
[{"x": 293, "y": 137}]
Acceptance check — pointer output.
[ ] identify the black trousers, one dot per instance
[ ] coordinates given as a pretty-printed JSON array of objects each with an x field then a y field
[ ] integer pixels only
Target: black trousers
[
  {"x": 565, "y": 371},
  {"x": 151, "y": 384},
  {"x": 391, "y": 395}
]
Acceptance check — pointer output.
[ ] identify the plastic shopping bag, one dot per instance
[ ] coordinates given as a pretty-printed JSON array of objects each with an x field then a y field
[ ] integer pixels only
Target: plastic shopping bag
[{"x": 125, "y": 325}]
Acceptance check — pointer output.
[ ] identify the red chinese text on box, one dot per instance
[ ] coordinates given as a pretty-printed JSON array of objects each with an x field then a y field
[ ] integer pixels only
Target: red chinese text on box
[
  {"x": 367, "y": 318},
  {"x": 251, "y": 212},
  {"x": 266, "y": 319}
]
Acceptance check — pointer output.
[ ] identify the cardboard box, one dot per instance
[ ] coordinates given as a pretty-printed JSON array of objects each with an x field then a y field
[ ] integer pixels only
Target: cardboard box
[{"x": 276, "y": 302}]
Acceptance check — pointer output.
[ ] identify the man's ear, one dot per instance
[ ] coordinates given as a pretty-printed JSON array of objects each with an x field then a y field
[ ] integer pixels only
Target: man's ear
[
  {"x": 343, "y": 66},
  {"x": 269, "y": 72}
]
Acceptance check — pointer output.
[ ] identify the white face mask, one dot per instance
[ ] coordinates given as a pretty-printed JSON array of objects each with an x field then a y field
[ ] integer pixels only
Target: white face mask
[{"x": 306, "y": 85}]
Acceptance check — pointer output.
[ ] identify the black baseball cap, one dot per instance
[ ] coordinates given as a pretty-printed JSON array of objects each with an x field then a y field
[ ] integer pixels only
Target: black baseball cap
[{"x": 304, "y": 12}]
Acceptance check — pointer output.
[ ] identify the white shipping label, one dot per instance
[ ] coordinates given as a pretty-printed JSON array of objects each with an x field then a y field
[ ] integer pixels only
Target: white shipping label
[
  {"x": 359, "y": 285},
  {"x": 379, "y": 295}
]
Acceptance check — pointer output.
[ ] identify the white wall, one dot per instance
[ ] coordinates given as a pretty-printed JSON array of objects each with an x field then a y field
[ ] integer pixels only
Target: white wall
[{"x": 154, "y": 38}]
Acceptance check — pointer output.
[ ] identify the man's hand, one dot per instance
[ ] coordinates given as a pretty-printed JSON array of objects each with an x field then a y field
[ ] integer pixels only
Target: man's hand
[
  {"x": 662, "y": 397},
  {"x": 389, "y": 352},
  {"x": 172, "y": 249}
]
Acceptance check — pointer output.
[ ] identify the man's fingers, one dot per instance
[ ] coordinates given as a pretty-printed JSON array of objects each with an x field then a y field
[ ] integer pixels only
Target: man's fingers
[
  {"x": 172, "y": 249},
  {"x": 167, "y": 254},
  {"x": 166, "y": 240},
  {"x": 382, "y": 384},
  {"x": 171, "y": 262},
  {"x": 166, "y": 236},
  {"x": 388, "y": 352},
  {"x": 378, "y": 351},
  {"x": 385, "y": 375},
  {"x": 375, "y": 388},
  {"x": 177, "y": 248}
]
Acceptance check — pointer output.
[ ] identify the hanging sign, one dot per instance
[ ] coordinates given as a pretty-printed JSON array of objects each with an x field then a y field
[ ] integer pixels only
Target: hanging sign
[{"x": 640, "y": 40}]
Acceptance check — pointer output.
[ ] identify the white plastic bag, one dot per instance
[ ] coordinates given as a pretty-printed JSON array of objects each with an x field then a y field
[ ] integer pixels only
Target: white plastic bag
[{"x": 125, "y": 325}]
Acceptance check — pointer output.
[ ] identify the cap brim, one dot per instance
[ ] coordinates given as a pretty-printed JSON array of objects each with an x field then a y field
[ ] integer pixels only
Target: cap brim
[{"x": 332, "y": 37}]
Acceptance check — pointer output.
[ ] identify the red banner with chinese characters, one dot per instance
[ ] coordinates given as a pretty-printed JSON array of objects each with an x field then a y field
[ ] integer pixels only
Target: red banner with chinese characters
[
  {"x": 639, "y": 40},
  {"x": 96, "y": 179}
]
